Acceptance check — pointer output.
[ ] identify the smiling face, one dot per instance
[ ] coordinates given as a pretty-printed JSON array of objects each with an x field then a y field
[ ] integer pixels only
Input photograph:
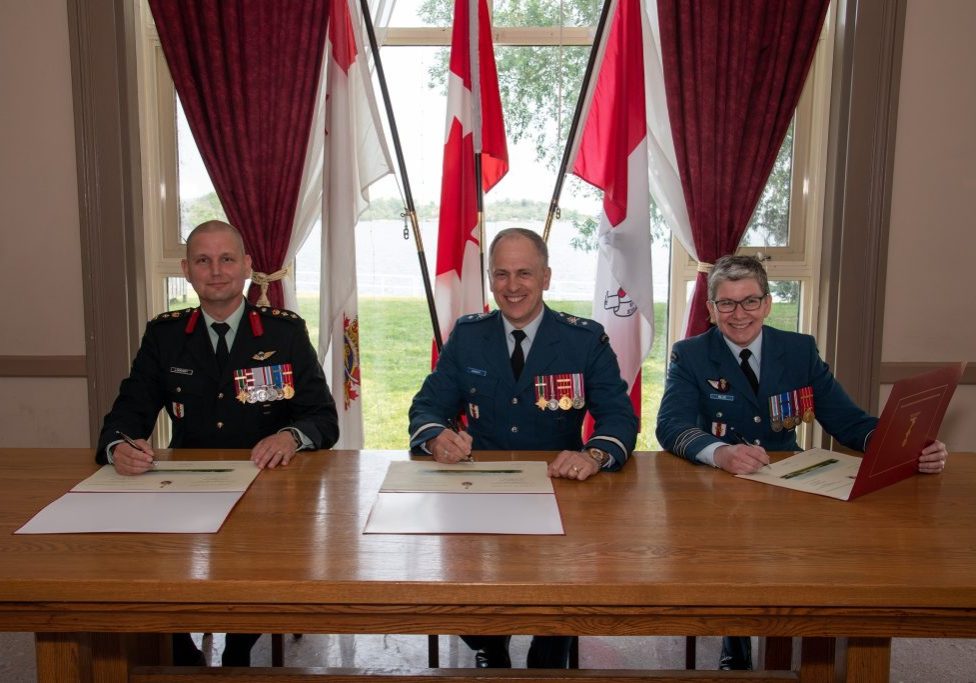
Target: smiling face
[
  {"x": 740, "y": 326},
  {"x": 217, "y": 267},
  {"x": 518, "y": 276}
]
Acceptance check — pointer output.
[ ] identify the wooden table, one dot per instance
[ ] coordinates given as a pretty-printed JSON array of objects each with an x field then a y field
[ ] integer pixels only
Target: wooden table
[{"x": 660, "y": 548}]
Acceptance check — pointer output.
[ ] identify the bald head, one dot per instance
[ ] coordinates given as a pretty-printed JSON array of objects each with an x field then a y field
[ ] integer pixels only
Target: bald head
[{"x": 209, "y": 227}]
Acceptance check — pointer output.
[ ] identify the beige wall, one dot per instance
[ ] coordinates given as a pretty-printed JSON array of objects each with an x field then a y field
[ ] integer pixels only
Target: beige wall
[
  {"x": 40, "y": 250},
  {"x": 929, "y": 305}
]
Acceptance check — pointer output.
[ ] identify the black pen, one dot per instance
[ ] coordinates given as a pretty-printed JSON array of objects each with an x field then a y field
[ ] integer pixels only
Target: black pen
[
  {"x": 744, "y": 440},
  {"x": 132, "y": 442},
  {"x": 456, "y": 428}
]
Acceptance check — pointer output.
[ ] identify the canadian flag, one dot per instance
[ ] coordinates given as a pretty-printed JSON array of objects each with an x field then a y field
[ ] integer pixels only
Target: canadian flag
[
  {"x": 612, "y": 155},
  {"x": 474, "y": 124},
  {"x": 355, "y": 157}
]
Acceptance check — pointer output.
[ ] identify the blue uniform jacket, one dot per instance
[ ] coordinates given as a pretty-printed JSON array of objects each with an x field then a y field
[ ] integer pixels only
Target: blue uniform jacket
[
  {"x": 176, "y": 370},
  {"x": 693, "y": 409},
  {"x": 474, "y": 376}
]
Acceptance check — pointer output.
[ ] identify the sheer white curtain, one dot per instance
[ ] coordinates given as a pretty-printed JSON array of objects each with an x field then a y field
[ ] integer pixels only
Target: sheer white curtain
[
  {"x": 309, "y": 210},
  {"x": 661, "y": 160},
  {"x": 347, "y": 153},
  {"x": 662, "y": 163}
]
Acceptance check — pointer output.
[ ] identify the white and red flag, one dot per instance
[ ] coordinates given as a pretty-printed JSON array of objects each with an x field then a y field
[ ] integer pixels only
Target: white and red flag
[
  {"x": 474, "y": 124},
  {"x": 612, "y": 155},
  {"x": 355, "y": 156}
]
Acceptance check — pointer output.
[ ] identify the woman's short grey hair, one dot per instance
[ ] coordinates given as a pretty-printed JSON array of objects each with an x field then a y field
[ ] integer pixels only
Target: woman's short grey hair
[{"x": 736, "y": 268}]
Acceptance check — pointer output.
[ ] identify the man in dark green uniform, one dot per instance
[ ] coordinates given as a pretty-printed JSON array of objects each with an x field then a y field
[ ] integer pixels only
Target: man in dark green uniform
[{"x": 230, "y": 375}]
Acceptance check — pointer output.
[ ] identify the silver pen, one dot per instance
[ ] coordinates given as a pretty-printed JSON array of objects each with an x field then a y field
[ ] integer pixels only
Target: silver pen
[{"x": 132, "y": 442}]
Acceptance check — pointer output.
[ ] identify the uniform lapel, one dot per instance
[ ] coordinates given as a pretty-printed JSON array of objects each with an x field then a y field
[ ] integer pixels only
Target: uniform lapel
[
  {"x": 496, "y": 357},
  {"x": 543, "y": 351},
  {"x": 771, "y": 365},
  {"x": 244, "y": 348},
  {"x": 199, "y": 345},
  {"x": 727, "y": 366}
]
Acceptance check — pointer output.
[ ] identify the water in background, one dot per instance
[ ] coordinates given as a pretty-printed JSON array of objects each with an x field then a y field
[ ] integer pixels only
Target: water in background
[{"x": 387, "y": 265}]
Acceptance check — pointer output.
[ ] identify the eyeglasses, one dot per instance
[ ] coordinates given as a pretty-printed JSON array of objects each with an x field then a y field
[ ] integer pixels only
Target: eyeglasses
[{"x": 750, "y": 303}]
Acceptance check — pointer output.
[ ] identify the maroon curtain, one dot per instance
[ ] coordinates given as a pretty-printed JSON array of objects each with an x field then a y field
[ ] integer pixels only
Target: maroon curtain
[
  {"x": 246, "y": 73},
  {"x": 733, "y": 72}
]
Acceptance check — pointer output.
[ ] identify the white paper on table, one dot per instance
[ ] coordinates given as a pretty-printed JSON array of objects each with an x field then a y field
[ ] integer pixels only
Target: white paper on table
[
  {"x": 451, "y": 513},
  {"x": 144, "y": 512},
  {"x": 176, "y": 476},
  {"x": 467, "y": 477},
  {"x": 818, "y": 471}
]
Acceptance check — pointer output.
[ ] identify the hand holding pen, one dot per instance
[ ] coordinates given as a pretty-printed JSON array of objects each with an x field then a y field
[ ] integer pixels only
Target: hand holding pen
[
  {"x": 135, "y": 456},
  {"x": 742, "y": 458},
  {"x": 451, "y": 445}
]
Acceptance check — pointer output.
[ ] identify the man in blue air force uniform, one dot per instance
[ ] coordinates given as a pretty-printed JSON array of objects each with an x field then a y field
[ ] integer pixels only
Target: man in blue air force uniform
[
  {"x": 230, "y": 375},
  {"x": 524, "y": 377},
  {"x": 742, "y": 388}
]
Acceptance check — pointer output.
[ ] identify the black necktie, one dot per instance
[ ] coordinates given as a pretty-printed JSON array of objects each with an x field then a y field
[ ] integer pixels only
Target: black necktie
[
  {"x": 744, "y": 354},
  {"x": 223, "y": 354},
  {"x": 518, "y": 357}
]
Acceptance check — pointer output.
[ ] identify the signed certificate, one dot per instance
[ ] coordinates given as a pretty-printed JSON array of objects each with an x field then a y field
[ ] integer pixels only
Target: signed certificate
[
  {"x": 467, "y": 477},
  {"x": 178, "y": 496},
  {"x": 825, "y": 473},
  {"x": 427, "y": 497},
  {"x": 910, "y": 421},
  {"x": 175, "y": 476}
]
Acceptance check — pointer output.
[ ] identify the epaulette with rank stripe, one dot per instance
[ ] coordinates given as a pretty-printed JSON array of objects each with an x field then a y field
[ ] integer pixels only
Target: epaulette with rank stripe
[
  {"x": 281, "y": 313},
  {"x": 182, "y": 314},
  {"x": 476, "y": 317},
  {"x": 582, "y": 324}
]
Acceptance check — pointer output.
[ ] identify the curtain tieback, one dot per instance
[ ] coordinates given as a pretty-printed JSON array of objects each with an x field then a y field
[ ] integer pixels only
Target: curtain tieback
[
  {"x": 263, "y": 280},
  {"x": 705, "y": 267}
]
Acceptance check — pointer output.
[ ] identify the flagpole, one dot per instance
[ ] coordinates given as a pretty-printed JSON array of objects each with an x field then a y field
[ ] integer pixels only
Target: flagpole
[
  {"x": 407, "y": 193},
  {"x": 474, "y": 55},
  {"x": 580, "y": 103}
]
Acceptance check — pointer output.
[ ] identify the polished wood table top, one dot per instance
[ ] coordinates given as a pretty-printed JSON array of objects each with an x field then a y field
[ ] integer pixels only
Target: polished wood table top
[{"x": 660, "y": 537}]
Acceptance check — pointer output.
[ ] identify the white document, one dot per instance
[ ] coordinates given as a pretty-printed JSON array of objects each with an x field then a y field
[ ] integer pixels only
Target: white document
[
  {"x": 818, "y": 471},
  {"x": 467, "y": 477},
  {"x": 175, "y": 476},
  {"x": 451, "y": 513},
  {"x": 145, "y": 512}
]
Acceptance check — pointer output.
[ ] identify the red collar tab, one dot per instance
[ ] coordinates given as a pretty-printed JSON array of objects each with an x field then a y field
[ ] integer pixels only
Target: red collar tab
[
  {"x": 257, "y": 329},
  {"x": 191, "y": 324}
]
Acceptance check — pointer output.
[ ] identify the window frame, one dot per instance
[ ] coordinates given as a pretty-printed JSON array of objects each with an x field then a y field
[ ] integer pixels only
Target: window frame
[{"x": 161, "y": 215}]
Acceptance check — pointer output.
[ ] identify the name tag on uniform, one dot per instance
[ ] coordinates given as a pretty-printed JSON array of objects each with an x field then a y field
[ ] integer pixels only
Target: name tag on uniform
[
  {"x": 181, "y": 371},
  {"x": 722, "y": 397},
  {"x": 476, "y": 371}
]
